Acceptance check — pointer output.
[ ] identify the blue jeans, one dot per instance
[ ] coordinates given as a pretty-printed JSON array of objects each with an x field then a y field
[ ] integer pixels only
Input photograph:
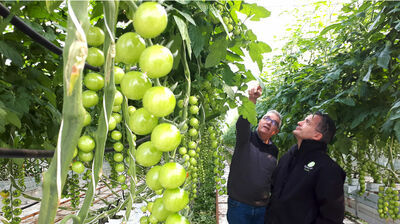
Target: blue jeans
[{"x": 240, "y": 213}]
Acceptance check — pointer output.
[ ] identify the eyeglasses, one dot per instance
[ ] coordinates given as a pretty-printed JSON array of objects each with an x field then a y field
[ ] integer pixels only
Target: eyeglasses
[{"x": 273, "y": 122}]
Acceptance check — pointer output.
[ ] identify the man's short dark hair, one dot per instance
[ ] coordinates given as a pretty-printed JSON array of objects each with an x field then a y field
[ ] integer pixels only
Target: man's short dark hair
[{"x": 326, "y": 127}]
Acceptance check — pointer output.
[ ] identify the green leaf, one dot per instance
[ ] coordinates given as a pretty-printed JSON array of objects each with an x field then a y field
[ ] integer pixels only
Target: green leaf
[
  {"x": 217, "y": 52},
  {"x": 397, "y": 130},
  {"x": 176, "y": 49},
  {"x": 248, "y": 110},
  {"x": 384, "y": 56},
  {"x": 232, "y": 57},
  {"x": 202, "y": 6},
  {"x": 13, "y": 119},
  {"x": 250, "y": 35},
  {"x": 229, "y": 91},
  {"x": 395, "y": 116},
  {"x": 187, "y": 16},
  {"x": 347, "y": 101},
  {"x": 228, "y": 76},
  {"x": 10, "y": 52},
  {"x": 254, "y": 11},
  {"x": 3, "y": 119},
  {"x": 378, "y": 18},
  {"x": 359, "y": 119},
  {"x": 52, "y": 4},
  {"x": 332, "y": 76},
  {"x": 256, "y": 51},
  {"x": 396, "y": 105},
  {"x": 197, "y": 38},
  {"x": 330, "y": 27},
  {"x": 366, "y": 77},
  {"x": 184, "y": 33}
]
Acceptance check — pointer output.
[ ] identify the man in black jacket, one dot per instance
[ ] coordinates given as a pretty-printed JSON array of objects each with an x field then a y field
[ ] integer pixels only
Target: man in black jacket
[
  {"x": 253, "y": 163},
  {"x": 307, "y": 185}
]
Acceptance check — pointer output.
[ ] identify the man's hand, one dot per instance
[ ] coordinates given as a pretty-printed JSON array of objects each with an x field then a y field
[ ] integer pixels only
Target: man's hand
[{"x": 254, "y": 93}]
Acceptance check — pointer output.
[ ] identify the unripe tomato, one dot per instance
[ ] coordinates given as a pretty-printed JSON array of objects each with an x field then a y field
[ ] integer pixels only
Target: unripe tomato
[
  {"x": 147, "y": 155},
  {"x": 144, "y": 220},
  {"x": 193, "y": 100},
  {"x": 121, "y": 179},
  {"x": 150, "y": 206},
  {"x": 118, "y": 157},
  {"x": 194, "y": 109},
  {"x": 172, "y": 175},
  {"x": 192, "y": 161},
  {"x": 88, "y": 119},
  {"x": 214, "y": 144},
  {"x": 78, "y": 167},
  {"x": 95, "y": 57},
  {"x": 75, "y": 152},
  {"x": 134, "y": 85},
  {"x": 95, "y": 36},
  {"x": 118, "y": 74},
  {"x": 124, "y": 186},
  {"x": 150, "y": 19},
  {"x": 117, "y": 117},
  {"x": 176, "y": 219},
  {"x": 118, "y": 147},
  {"x": 129, "y": 47},
  {"x": 182, "y": 150},
  {"x": 159, "y": 211},
  {"x": 142, "y": 122},
  {"x": 156, "y": 61},
  {"x": 131, "y": 110},
  {"x": 192, "y": 153},
  {"x": 194, "y": 122},
  {"x": 116, "y": 108},
  {"x": 93, "y": 81},
  {"x": 116, "y": 135},
  {"x": 180, "y": 104},
  {"x": 119, "y": 167},
  {"x": 166, "y": 137},
  {"x": 118, "y": 98},
  {"x": 16, "y": 202},
  {"x": 86, "y": 143},
  {"x": 89, "y": 98},
  {"x": 230, "y": 27},
  {"x": 192, "y": 145},
  {"x": 85, "y": 156},
  {"x": 152, "y": 178},
  {"x": 225, "y": 19},
  {"x": 112, "y": 123},
  {"x": 153, "y": 219},
  {"x": 176, "y": 199},
  {"x": 159, "y": 101},
  {"x": 193, "y": 132}
]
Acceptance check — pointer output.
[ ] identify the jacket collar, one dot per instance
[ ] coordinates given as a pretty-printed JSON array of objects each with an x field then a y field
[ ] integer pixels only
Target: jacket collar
[{"x": 311, "y": 145}]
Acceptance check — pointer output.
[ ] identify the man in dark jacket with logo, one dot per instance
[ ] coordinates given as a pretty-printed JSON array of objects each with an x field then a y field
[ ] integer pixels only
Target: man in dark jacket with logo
[
  {"x": 253, "y": 163},
  {"x": 307, "y": 185}
]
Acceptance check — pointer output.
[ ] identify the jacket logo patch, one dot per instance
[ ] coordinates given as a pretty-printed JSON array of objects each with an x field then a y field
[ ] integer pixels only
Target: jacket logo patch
[{"x": 309, "y": 166}]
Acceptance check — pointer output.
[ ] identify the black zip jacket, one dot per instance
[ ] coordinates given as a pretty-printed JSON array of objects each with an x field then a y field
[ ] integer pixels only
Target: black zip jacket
[
  {"x": 307, "y": 187},
  {"x": 253, "y": 163}
]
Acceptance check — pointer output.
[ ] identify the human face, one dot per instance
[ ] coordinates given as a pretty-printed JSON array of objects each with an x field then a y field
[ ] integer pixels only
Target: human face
[
  {"x": 307, "y": 129},
  {"x": 268, "y": 125}
]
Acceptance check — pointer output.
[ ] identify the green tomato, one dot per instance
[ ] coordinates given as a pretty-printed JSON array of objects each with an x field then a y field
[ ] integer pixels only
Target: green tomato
[
  {"x": 129, "y": 47},
  {"x": 118, "y": 147},
  {"x": 116, "y": 135},
  {"x": 182, "y": 150},
  {"x": 89, "y": 98},
  {"x": 118, "y": 157},
  {"x": 85, "y": 156},
  {"x": 193, "y": 161},
  {"x": 118, "y": 74},
  {"x": 142, "y": 122},
  {"x": 150, "y": 19},
  {"x": 156, "y": 61},
  {"x": 86, "y": 143},
  {"x": 131, "y": 110},
  {"x": 144, "y": 220},
  {"x": 112, "y": 123},
  {"x": 95, "y": 36},
  {"x": 124, "y": 186},
  {"x": 194, "y": 122},
  {"x": 75, "y": 152},
  {"x": 214, "y": 144},
  {"x": 117, "y": 117},
  {"x": 153, "y": 219},
  {"x": 193, "y": 100},
  {"x": 152, "y": 178},
  {"x": 180, "y": 104},
  {"x": 150, "y": 206},
  {"x": 230, "y": 27},
  {"x": 172, "y": 175},
  {"x": 118, "y": 98},
  {"x": 88, "y": 119},
  {"x": 194, "y": 109},
  {"x": 166, "y": 137},
  {"x": 175, "y": 200},
  {"x": 116, "y": 108},
  {"x": 134, "y": 85},
  {"x": 121, "y": 179},
  {"x": 159, "y": 211},
  {"x": 192, "y": 145},
  {"x": 192, "y": 153},
  {"x": 193, "y": 132},
  {"x": 159, "y": 101},
  {"x": 95, "y": 57},
  {"x": 119, "y": 167},
  {"x": 176, "y": 219},
  {"x": 93, "y": 81},
  {"x": 78, "y": 167},
  {"x": 17, "y": 211},
  {"x": 16, "y": 202},
  {"x": 147, "y": 155}
]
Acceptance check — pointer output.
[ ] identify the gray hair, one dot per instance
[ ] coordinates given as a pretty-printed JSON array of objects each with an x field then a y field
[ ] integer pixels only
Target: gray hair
[{"x": 277, "y": 114}]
